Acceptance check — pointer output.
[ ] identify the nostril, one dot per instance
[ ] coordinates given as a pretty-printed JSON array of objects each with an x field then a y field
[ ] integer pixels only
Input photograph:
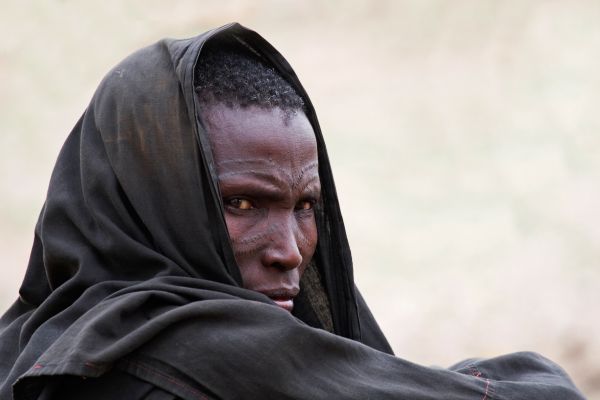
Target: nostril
[
  {"x": 284, "y": 260},
  {"x": 278, "y": 266},
  {"x": 283, "y": 257},
  {"x": 287, "y": 265}
]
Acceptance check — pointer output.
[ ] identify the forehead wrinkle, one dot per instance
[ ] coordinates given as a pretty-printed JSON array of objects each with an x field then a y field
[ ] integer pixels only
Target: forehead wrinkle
[
  {"x": 312, "y": 165},
  {"x": 308, "y": 183},
  {"x": 244, "y": 161},
  {"x": 300, "y": 175},
  {"x": 264, "y": 175}
]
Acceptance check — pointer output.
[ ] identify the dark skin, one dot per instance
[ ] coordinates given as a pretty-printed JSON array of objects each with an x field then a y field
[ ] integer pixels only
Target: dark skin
[{"x": 268, "y": 175}]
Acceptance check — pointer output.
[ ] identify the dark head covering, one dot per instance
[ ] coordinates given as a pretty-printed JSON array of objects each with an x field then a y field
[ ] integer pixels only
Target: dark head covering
[
  {"x": 131, "y": 264},
  {"x": 133, "y": 200}
]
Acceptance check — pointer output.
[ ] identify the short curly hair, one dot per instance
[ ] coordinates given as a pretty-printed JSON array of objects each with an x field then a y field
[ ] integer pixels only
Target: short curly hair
[{"x": 232, "y": 73}]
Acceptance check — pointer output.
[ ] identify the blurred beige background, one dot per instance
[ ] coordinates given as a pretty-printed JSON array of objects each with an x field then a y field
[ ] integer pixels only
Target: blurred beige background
[{"x": 464, "y": 136}]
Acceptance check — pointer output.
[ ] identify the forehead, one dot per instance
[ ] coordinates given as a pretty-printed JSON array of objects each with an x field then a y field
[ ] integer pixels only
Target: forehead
[{"x": 256, "y": 135}]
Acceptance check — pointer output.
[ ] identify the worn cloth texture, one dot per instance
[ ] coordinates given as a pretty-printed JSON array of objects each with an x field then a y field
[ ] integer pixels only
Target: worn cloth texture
[{"x": 132, "y": 290}]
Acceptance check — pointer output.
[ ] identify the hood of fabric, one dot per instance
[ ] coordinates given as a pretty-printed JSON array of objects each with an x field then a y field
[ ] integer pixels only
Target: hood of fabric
[
  {"x": 134, "y": 194},
  {"x": 134, "y": 199}
]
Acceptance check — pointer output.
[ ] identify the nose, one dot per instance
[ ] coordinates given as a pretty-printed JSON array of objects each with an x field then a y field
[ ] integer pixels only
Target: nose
[{"x": 282, "y": 251}]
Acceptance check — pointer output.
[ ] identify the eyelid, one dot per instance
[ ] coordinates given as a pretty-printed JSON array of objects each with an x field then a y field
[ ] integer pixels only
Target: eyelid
[
  {"x": 312, "y": 202},
  {"x": 228, "y": 203}
]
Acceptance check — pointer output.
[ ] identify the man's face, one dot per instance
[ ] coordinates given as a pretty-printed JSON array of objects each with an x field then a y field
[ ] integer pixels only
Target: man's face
[{"x": 267, "y": 168}]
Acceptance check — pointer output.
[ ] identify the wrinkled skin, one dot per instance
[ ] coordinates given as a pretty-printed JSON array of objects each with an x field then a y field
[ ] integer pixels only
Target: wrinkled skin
[{"x": 267, "y": 169}]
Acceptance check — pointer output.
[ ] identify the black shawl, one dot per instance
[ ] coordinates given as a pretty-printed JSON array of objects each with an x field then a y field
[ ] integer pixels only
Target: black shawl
[{"x": 131, "y": 267}]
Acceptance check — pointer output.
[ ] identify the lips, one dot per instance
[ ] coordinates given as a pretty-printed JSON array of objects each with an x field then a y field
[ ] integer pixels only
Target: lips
[
  {"x": 286, "y": 304},
  {"x": 283, "y": 297}
]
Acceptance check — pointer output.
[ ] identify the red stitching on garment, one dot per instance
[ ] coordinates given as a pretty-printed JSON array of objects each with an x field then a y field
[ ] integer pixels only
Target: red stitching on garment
[
  {"x": 38, "y": 366},
  {"x": 487, "y": 387},
  {"x": 169, "y": 378},
  {"x": 474, "y": 371},
  {"x": 92, "y": 365}
]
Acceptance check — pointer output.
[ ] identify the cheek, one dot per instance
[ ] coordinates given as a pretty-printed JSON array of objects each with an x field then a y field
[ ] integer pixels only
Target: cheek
[
  {"x": 248, "y": 235},
  {"x": 307, "y": 238}
]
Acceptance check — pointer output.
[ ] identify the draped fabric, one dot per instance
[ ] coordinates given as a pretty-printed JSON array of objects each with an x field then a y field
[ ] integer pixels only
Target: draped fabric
[{"x": 131, "y": 269}]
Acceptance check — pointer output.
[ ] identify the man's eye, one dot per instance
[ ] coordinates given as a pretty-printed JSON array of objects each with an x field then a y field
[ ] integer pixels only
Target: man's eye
[
  {"x": 240, "y": 204},
  {"x": 305, "y": 205}
]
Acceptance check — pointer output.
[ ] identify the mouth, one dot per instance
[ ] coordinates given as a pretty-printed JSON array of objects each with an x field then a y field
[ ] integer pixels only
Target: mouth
[{"x": 283, "y": 297}]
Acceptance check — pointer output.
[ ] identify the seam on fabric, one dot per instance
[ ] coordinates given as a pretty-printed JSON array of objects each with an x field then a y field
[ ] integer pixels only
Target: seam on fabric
[
  {"x": 487, "y": 388},
  {"x": 474, "y": 371},
  {"x": 169, "y": 378}
]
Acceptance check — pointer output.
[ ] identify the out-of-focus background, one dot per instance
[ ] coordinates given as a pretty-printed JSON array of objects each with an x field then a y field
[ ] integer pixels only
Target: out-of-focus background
[{"x": 464, "y": 137}]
